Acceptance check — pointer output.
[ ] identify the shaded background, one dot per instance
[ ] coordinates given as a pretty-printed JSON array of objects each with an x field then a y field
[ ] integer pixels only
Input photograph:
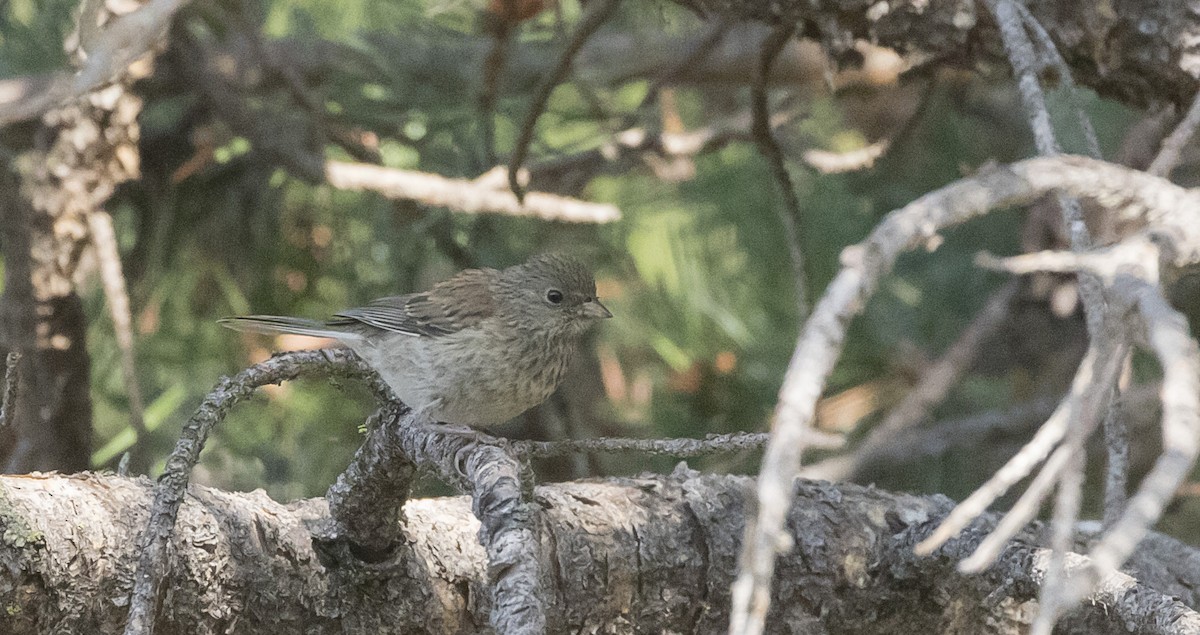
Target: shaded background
[{"x": 230, "y": 216}]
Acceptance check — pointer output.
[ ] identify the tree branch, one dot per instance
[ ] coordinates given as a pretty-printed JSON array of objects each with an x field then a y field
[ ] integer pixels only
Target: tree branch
[
  {"x": 463, "y": 196},
  {"x": 1127, "y": 194},
  {"x": 657, "y": 552}
]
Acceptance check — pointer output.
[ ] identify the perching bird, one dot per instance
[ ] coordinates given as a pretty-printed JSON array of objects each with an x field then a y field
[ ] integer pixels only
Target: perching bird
[{"x": 477, "y": 349}]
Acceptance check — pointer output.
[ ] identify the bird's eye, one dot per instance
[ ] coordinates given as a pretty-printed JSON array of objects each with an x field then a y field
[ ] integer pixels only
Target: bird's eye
[{"x": 554, "y": 296}]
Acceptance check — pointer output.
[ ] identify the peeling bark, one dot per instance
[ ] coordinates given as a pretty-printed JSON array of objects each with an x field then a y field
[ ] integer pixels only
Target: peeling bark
[
  {"x": 639, "y": 555},
  {"x": 83, "y": 150}
]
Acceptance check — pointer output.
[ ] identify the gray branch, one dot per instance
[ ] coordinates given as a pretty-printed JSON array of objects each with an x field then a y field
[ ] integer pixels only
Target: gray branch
[{"x": 642, "y": 555}]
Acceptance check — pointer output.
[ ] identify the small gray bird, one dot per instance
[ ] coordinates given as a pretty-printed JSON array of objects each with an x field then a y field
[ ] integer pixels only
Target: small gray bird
[{"x": 477, "y": 349}]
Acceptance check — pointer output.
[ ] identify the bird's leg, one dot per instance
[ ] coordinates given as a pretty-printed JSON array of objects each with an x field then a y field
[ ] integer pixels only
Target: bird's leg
[{"x": 423, "y": 417}]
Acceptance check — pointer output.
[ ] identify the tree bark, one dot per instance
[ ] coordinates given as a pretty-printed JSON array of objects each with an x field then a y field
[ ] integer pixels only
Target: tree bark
[
  {"x": 82, "y": 151},
  {"x": 1136, "y": 52},
  {"x": 639, "y": 555}
]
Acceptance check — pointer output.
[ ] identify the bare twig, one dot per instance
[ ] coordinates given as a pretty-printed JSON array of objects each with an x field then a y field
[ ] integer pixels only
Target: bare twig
[
  {"x": 113, "y": 279},
  {"x": 11, "y": 378},
  {"x": 790, "y": 214},
  {"x": 1116, "y": 440},
  {"x": 696, "y": 53},
  {"x": 1173, "y": 145},
  {"x": 1170, "y": 339},
  {"x": 172, "y": 485},
  {"x": 1013, "y": 21},
  {"x": 914, "y": 445},
  {"x": 713, "y": 443},
  {"x": 1133, "y": 196},
  {"x": 827, "y": 162},
  {"x": 1066, "y": 511},
  {"x": 596, "y": 14},
  {"x": 1096, "y": 366},
  {"x": 1055, "y": 58},
  {"x": 493, "y": 67},
  {"x": 463, "y": 196}
]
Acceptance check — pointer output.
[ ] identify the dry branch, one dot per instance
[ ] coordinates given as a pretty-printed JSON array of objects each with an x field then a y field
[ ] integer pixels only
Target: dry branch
[
  {"x": 11, "y": 378},
  {"x": 463, "y": 196},
  {"x": 112, "y": 278},
  {"x": 1129, "y": 195},
  {"x": 790, "y": 214},
  {"x": 1172, "y": 147},
  {"x": 171, "y": 487},
  {"x": 649, "y": 555}
]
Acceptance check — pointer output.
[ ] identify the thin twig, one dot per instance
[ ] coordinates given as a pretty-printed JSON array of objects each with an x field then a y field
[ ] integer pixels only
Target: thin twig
[
  {"x": 104, "y": 238},
  {"x": 1051, "y": 598},
  {"x": 1055, "y": 58},
  {"x": 1026, "y": 460},
  {"x": 933, "y": 385},
  {"x": 172, "y": 485},
  {"x": 1116, "y": 440},
  {"x": 711, "y": 444},
  {"x": 12, "y": 377},
  {"x": 695, "y": 54},
  {"x": 1173, "y": 145},
  {"x": 1024, "y": 510},
  {"x": 597, "y": 12},
  {"x": 790, "y": 215},
  {"x": 914, "y": 446},
  {"x": 493, "y": 68},
  {"x": 1179, "y": 356},
  {"x": 1013, "y": 22}
]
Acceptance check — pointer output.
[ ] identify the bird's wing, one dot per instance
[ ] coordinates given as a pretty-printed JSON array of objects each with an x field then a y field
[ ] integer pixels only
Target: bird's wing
[{"x": 449, "y": 307}]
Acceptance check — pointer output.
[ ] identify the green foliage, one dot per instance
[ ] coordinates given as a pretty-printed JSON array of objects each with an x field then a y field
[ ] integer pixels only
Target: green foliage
[{"x": 697, "y": 272}]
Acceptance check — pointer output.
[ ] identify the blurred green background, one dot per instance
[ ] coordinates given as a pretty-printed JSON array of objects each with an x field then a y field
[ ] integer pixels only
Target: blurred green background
[{"x": 697, "y": 271}]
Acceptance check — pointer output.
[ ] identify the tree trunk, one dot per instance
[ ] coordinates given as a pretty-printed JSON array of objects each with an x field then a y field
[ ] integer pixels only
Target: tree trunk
[{"x": 82, "y": 151}]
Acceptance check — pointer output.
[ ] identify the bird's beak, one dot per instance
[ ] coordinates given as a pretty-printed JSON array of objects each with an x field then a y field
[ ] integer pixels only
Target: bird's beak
[{"x": 595, "y": 310}]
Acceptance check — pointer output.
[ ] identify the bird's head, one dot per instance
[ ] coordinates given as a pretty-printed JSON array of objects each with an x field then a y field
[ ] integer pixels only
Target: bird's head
[{"x": 554, "y": 292}]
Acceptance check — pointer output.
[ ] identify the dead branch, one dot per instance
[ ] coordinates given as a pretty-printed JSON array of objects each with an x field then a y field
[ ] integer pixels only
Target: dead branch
[
  {"x": 683, "y": 448},
  {"x": 1129, "y": 195},
  {"x": 463, "y": 196},
  {"x": 1172, "y": 147},
  {"x": 790, "y": 214},
  {"x": 104, "y": 239},
  {"x": 931, "y": 388},
  {"x": 244, "y": 555},
  {"x": 12, "y": 377},
  {"x": 171, "y": 487}
]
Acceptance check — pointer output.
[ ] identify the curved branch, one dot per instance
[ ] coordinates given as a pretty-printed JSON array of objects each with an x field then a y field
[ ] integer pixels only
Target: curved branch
[
  {"x": 172, "y": 485},
  {"x": 1126, "y": 193}
]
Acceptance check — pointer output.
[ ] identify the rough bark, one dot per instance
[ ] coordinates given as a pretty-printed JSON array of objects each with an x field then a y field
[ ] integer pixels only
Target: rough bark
[
  {"x": 82, "y": 151},
  {"x": 1137, "y": 52},
  {"x": 639, "y": 555}
]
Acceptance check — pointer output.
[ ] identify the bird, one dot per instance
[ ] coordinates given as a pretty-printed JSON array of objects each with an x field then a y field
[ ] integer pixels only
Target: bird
[{"x": 474, "y": 350}]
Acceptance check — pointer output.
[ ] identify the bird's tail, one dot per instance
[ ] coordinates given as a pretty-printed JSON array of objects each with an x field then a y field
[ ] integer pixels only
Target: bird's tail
[{"x": 279, "y": 324}]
